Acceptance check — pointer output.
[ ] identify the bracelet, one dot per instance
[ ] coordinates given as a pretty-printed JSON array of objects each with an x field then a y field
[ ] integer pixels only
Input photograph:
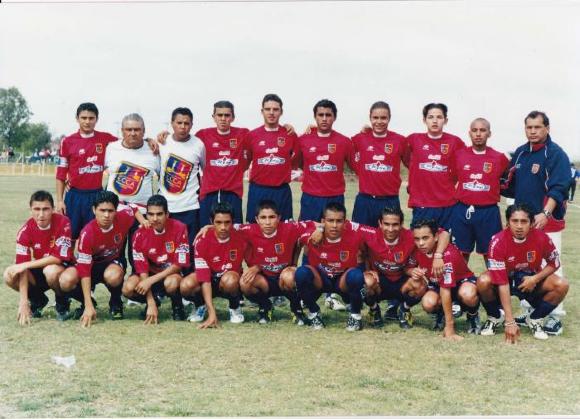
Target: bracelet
[
  {"x": 438, "y": 255},
  {"x": 508, "y": 324}
]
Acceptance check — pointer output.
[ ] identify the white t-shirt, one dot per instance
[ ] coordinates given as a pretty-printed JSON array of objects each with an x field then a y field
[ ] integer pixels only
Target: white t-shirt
[
  {"x": 181, "y": 163},
  {"x": 131, "y": 172}
]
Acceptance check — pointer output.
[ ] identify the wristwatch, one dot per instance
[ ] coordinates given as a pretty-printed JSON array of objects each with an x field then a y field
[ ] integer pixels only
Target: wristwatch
[{"x": 547, "y": 213}]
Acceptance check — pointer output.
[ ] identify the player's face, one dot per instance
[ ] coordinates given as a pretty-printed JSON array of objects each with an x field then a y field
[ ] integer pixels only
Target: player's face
[
  {"x": 435, "y": 121},
  {"x": 380, "y": 121},
  {"x": 519, "y": 224},
  {"x": 424, "y": 239},
  {"x": 390, "y": 225},
  {"x": 223, "y": 118},
  {"x": 41, "y": 212},
  {"x": 105, "y": 214},
  {"x": 87, "y": 121},
  {"x": 133, "y": 134},
  {"x": 271, "y": 111},
  {"x": 479, "y": 133},
  {"x": 268, "y": 221},
  {"x": 324, "y": 119},
  {"x": 333, "y": 222},
  {"x": 181, "y": 126},
  {"x": 536, "y": 131},
  {"x": 157, "y": 217},
  {"x": 222, "y": 224}
]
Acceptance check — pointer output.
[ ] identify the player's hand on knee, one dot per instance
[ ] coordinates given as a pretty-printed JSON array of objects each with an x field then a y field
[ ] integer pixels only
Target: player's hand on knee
[
  {"x": 249, "y": 275},
  {"x": 512, "y": 333},
  {"x": 88, "y": 317},
  {"x": 152, "y": 315},
  {"x": 528, "y": 284},
  {"x": 143, "y": 287},
  {"x": 24, "y": 314}
]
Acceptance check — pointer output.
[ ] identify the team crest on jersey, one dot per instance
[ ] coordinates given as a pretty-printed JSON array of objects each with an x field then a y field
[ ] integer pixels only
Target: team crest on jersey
[
  {"x": 279, "y": 248},
  {"x": 343, "y": 255},
  {"x": 233, "y": 142},
  {"x": 531, "y": 256},
  {"x": 233, "y": 254},
  {"x": 99, "y": 148},
  {"x": 535, "y": 168},
  {"x": 444, "y": 148},
  {"x": 129, "y": 178},
  {"x": 388, "y": 148},
  {"x": 281, "y": 141},
  {"x": 117, "y": 238},
  {"x": 398, "y": 257},
  {"x": 169, "y": 247},
  {"x": 487, "y": 167},
  {"x": 52, "y": 241},
  {"x": 332, "y": 148},
  {"x": 176, "y": 176}
]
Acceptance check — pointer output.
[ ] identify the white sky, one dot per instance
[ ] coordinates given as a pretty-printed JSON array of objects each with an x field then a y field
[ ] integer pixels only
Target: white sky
[{"x": 493, "y": 59}]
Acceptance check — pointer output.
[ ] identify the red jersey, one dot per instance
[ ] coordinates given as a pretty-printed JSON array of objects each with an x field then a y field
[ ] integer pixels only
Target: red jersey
[
  {"x": 390, "y": 259},
  {"x": 478, "y": 175},
  {"x": 272, "y": 154},
  {"x": 274, "y": 253},
  {"x": 378, "y": 162},
  {"x": 82, "y": 160},
  {"x": 323, "y": 161},
  {"x": 506, "y": 255},
  {"x": 98, "y": 246},
  {"x": 454, "y": 266},
  {"x": 35, "y": 243},
  {"x": 431, "y": 170},
  {"x": 155, "y": 252},
  {"x": 226, "y": 160},
  {"x": 334, "y": 258},
  {"x": 213, "y": 257}
]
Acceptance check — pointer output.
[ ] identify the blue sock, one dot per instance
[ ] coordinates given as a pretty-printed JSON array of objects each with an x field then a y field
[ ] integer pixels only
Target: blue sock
[
  {"x": 304, "y": 278},
  {"x": 542, "y": 310},
  {"x": 355, "y": 282}
]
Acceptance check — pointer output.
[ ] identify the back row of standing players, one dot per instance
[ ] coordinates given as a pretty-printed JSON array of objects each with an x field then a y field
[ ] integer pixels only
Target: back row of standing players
[{"x": 455, "y": 185}]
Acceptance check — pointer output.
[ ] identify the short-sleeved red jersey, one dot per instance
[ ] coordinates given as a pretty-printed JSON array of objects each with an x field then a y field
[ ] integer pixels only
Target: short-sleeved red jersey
[
  {"x": 33, "y": 242},
  {"x": 213, "y": 257},
  {"x": 390, "y": 259},
  {"x": 454, "y": 266}
]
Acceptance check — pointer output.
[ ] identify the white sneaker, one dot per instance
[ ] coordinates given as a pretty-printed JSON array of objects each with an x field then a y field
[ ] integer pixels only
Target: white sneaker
[
  {"x": 236, "y": 315},
  {"x": 197, "y": 315},
  {"x": 132, "y": 302},
  {"x": 333, "y": 303},
  {"x": 491, "y": 325},
  {"x": 536, "y": 326}
]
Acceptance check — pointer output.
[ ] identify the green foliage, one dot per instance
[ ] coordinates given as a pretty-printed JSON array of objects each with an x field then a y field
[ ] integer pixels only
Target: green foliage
[
  {"x": 35, "y": 136},
  {"x": 14, "y": 113}
]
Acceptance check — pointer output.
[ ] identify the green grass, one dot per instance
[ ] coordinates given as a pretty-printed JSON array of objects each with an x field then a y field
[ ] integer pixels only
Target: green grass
[{"x": 127, "y": 369}]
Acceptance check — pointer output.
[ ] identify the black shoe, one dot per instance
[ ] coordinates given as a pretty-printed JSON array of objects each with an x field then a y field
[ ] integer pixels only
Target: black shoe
[
  {"x": 116, "y": 312},
  {"x": 405, "y": 318},
  {"x": 521, "y": 320},
  {"x": 264, "y": 316},
  {"x": 474, "y": 324},
  {"x": 299, "y": 319},
  {"x": 37, "y": 304},
  {"x": 353, "y": 325},
  {"x": 375, "y": 317},
  {"x": 316, "y": 322},
  {"x": 178, "y": 311},
  {"x": 392, "y": 312},
  {"x": 439, "y": 321},
  {"x": 62, "y": 308},
  {"x": 553, "y": 326}
]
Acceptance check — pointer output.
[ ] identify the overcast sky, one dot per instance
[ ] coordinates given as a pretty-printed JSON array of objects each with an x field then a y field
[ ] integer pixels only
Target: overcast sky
[{"x": 498, "y": 60}]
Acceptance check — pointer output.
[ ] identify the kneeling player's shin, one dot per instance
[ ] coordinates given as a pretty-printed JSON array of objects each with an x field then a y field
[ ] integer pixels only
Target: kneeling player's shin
[
  {"x": 355, "y": 283},
  {"x": 305, "y": 285}
]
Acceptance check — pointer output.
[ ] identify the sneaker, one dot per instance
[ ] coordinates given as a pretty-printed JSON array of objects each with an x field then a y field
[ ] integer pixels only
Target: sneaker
[
  {"x": 298, "y": 318},
  {"x": 264, "y": 316},
  {"x": 333, "y": 303},
  {"x": 536, "y": 326},
  {"x": 392, "y": 312},
  {"x": 62, "y": 307},
  {"x": 278, "y": 301},
  {"x": 491, "y": 325},
  {"x": 375, "y": 317},
  {"x": 178, "y": 311},
  {"x": 521, "y": 319},
  {"x": 316, "y": 322},
  {"x": 197, "y": 315},
  {"x": 236, "y": 315},
  {"x": 405, "y": 318},
  {"x": 474, "y": 324},
  {"x": 439, "y": 318},
  {"x": 456, "y": 309},
  {"x": 116, "y": 312},
  {"x": 353, "y": 325},
  {"x": 36, "y": 305},
  {"x": 553, "y": 326},
  {"x": 132, "y": 302}
]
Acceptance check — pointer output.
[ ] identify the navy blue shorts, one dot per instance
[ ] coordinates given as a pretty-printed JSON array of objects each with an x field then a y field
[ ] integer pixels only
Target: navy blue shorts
[
  {"x": 441, "y": 214},
  {"x": 191, "y": 220},
  {"x": 79, "y": 208},
  {"x": 312, "y": 207},
  {"x": 473, "y": 226},
  {"x": 367, "y": 208},
  {"x": 433, "y": 286},
  {"x": 516, "y": 278},
  {"x": 281, "y": 195},
  {"x": 391, "y": 290},
  {"x": 206, "y": 204},
  {"x": 330, "y": 285},
  {"x": 98, "y": 270}
]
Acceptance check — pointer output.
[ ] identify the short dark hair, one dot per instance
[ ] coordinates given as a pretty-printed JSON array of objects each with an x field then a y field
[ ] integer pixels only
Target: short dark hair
[
  {"x": 224, "y": 104},
  {"x": 535, "y": 114},
  {"x": 430, "y": 106},
  {"x": 272, "y": 97},
  {"x": 392, "y": 211},
  {"x": 157, "y": 201},
  {"x": 325, "y": 103},
  {"x": 103, "y": 197},
  {"x": 221, "y": 208},
  {"x": 41, "y": 196},
  {"x": 181, "y": 111},
  {"x": 519, "y": 207},
  {"x": 430, "y": 223},
  {"x": 334, "y": 206},
  {"x": 88, "y": 106},
  {"x": 380, "y": 105},
  {"x": 267, "y": 204}
]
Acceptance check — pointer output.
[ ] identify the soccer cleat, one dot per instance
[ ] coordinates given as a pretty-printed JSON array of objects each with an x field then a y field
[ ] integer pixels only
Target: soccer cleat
[
  {"x": 535, "y": 326},
  {"x": 521, "y": 319},
  {"x": 298, "y": 318},
  {"x": 456, "y": 309},
  {"x": 375, "y": 317},
  {"x": 405, "y": 318},
  {"x": 36, "y": 305},
  {"x": 353, "y": 325},
  {"x": 236, "y": 315},
  {"x": 333, "y": 303},
  {"x": 197, "y": 315},
  {"x": 264, "y": 316},
  {"x": 491, "y": 325},
  {"x": 62, "y": 307},
  {"x": 316, "y": 322},
  {"x": 278, "y": 301},
  {"x": 553, "y": 326},
  {"x": 392, "y": 312},
  {"x": 439, "y": 323},
  {"x": 132, "y": 302},
  {"x": 474, "y": 324},
  {"x": 116, "y": 312},
  {"x": 177, "y": 311}
]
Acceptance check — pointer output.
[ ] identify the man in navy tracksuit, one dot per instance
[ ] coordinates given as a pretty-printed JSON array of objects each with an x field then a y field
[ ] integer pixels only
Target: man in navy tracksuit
[{"x": 539, "y": 176}]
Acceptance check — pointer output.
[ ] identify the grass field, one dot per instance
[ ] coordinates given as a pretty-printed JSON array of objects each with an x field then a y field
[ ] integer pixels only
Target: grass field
[{"x": 127, "y": 369}]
